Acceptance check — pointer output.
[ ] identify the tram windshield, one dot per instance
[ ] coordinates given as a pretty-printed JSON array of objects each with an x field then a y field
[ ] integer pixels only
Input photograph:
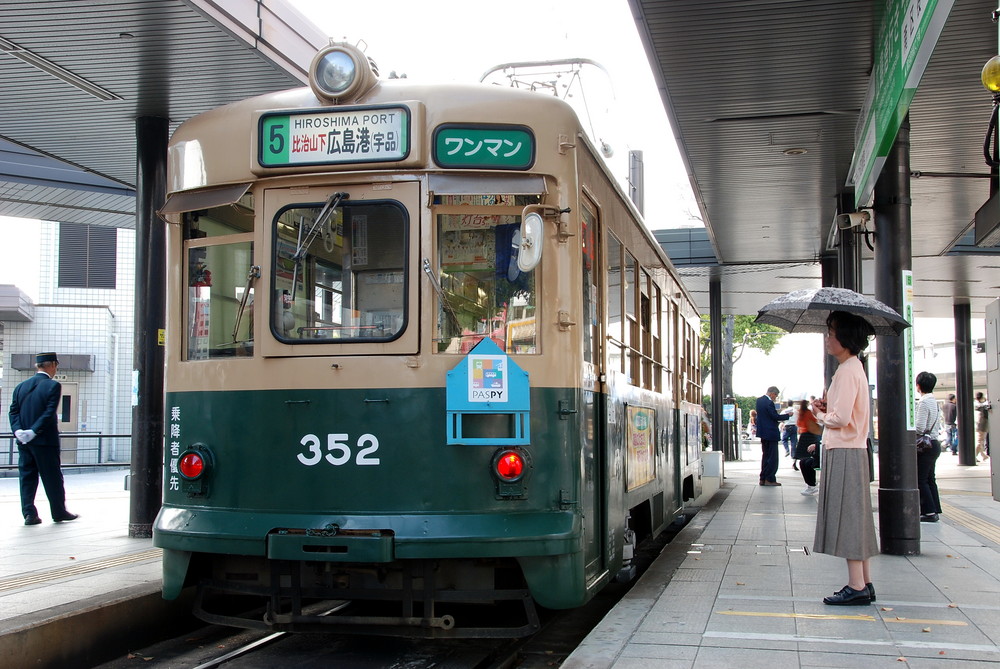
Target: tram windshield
[{"x": 339, "y": 272}]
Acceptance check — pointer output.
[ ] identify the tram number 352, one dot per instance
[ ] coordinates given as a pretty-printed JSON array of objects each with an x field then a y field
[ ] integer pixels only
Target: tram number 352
[{"x": 339, "y": 452}]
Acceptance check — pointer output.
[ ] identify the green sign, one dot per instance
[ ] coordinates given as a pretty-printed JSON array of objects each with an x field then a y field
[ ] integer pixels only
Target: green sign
[
  {"x": 498, "y": 147},
  {"x": 359, "y": 135},
  {"x": 908, "y": 31}
]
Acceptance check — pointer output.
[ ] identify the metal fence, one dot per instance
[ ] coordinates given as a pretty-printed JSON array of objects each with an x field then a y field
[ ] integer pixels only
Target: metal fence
[{"x": 78, "y": 449}]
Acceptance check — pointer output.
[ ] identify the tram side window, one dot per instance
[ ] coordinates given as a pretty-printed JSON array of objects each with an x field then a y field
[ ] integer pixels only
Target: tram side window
[
  {"x": 340, "y": 278},
  {"x": 483, "y": 293},
  {"x": 217, "y": 325},
  {"x": 219, "y": 301},
  {"x": 615, "y": 322}
]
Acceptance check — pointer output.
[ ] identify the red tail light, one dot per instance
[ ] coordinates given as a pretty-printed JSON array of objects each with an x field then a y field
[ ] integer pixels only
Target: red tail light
[
  {"x": 510, "y": 465},
  {"x": 192, "y": 465}
]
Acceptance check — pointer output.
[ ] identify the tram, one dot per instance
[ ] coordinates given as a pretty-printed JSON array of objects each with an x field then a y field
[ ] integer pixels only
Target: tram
[{"x": 423, "y": 358}]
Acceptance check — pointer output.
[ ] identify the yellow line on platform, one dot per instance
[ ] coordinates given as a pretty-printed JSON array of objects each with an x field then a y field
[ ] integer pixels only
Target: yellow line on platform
[
  {"x": 972, "y": 522},
  {"x": 809, "y": 616},
  {"x": 25, "y": 580},
  {"x": 832, "y": 616}
]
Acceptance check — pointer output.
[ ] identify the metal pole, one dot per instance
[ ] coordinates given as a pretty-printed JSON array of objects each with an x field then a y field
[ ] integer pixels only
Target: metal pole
[
  {"x": 729, "y": 445},
  {"x": 715, "y": 340},
  {"x": 963, "y": 384},
  {"x": 899, "y": 499},
  {"x": 150, "y": 265},
  {"x": 828, "y": 268}
]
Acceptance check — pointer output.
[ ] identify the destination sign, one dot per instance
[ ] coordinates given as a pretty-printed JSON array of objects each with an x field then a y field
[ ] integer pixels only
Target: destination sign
[
  {"x": 498, "y": 147},
  {"x": 359, "y": 135}
]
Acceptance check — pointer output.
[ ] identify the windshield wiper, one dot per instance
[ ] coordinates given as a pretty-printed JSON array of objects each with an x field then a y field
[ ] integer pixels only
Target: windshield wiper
[
  {"x": 306, "y": 240},
  {"x": 253, "y": 273}
]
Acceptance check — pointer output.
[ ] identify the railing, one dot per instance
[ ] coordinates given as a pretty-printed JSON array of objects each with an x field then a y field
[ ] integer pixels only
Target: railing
[{"x": 74, "y": 453}]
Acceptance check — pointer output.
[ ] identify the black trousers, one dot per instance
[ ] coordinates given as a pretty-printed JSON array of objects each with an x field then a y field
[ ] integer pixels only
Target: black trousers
[
  {"x": 41, "y": 462},
  {"x": 930, "y": 502}
]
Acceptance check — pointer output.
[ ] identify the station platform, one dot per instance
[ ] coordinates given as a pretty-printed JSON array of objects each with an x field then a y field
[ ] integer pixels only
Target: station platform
[
  {"x": 740, "y": 586},
  {"x": 73, "y": 593}
]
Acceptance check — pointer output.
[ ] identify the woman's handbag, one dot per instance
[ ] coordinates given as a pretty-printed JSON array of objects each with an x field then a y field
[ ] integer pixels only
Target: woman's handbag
[{"x": 924, "y": 443}]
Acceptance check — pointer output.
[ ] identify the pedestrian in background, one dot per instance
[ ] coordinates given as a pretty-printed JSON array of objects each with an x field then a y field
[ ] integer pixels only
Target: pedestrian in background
[
  {"x": 844, "y": 523},
  {"x": 34, "y": 420},
  {"x": 983, "y": 409},
  {"x": 807, "y": 447},
  {"x": 928, "y": 421},
  {"x": 790, "y": 430},
  {"x": 767, "y": 429},
  {"x": 950, "y": 413}
]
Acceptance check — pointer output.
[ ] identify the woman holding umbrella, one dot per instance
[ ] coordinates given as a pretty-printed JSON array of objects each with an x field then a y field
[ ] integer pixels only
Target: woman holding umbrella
[{"x": 844, "y": 523}]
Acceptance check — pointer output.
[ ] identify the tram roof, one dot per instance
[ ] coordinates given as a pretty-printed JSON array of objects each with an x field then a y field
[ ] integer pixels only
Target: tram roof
[
  {"x": 76, "y": 75},
  {"x": 743, "y": 82}
]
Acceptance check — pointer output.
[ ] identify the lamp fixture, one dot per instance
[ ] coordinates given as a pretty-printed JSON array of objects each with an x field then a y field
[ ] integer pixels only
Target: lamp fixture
[{"x": 56, "y": 71}]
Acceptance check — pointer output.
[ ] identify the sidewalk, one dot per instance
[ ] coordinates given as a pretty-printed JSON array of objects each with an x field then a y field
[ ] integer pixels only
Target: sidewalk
[
  {"x": 71, "y": 594},
  {"x": 740, "y": 586}
]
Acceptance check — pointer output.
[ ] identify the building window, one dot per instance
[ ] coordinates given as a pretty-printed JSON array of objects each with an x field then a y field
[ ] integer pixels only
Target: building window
[{"x": 88, "y": 256}]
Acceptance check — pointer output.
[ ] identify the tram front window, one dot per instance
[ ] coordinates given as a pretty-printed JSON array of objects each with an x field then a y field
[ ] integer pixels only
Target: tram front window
[
  {"x": 483, "y": 293},
  {"x": 339, "y": 275}
]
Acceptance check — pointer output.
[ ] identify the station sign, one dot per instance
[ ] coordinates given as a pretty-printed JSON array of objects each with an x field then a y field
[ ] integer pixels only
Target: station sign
[
  {"x": 908, "y": 31},
  {"x": 357, "y": 135},
  {"x": 484, "y": 146}
]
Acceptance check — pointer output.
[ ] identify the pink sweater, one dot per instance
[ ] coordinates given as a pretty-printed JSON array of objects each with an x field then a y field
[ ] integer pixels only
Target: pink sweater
[{"x": 847, "y": 404}]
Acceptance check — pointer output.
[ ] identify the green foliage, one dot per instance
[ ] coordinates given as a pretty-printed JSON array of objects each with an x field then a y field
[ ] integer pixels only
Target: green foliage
[
  {"x": 744, "y": 402},
  {"x": 746, "y": 334}
]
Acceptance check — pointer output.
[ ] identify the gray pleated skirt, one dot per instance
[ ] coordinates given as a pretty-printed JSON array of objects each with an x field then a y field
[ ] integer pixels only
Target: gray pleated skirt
[{"x": 845, "y": 526}]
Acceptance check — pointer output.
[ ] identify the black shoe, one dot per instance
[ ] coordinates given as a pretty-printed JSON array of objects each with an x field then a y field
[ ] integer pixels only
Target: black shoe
[
  {"x": 795, "y": 466},
  {"x": 32, "y": 520},
  {"x": 770, "y": 483},
  {"x": 871, "y": 591},
  {"x": 66, "y": 517},
  {"x": 929, "y": 518},
  {"x": 848, "y": 596}
]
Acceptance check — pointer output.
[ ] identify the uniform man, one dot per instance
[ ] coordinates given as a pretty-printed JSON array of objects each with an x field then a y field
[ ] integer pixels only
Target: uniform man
[{"x": 35, "y": 424}]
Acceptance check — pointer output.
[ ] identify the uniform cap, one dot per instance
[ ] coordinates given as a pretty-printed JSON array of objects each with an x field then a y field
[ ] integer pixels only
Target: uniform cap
[{"x": 45, "y": 357}]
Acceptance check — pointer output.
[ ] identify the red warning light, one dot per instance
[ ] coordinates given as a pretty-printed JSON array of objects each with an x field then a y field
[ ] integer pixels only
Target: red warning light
[
  {"x": 510, "y": 465},
  {"x": 192, "y": 465}
]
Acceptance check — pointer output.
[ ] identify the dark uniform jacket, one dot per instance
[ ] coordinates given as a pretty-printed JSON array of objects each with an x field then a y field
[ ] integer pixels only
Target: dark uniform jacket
[
  {"x": 768, "y": 419},
  {"x": 34, "y": 406}
]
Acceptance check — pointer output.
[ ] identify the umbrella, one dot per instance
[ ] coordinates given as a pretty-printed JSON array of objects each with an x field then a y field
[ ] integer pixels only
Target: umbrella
[{"x": 807, "y": 310}]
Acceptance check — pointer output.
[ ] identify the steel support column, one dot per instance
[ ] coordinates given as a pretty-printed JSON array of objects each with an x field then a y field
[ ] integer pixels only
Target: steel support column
[
  {"x": 829, "y": 267},
  {"x": 963, "y": 384},
  {"x": 151, "y": 135},
  {"x": 899, "y": 499},
  {"x": 715, "y": 341}
]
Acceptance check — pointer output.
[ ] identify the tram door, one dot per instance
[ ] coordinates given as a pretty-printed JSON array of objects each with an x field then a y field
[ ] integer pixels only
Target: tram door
[{"x": 593, "y": 401}]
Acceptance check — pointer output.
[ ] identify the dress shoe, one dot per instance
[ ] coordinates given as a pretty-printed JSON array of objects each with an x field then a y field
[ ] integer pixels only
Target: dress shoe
[
  {"x": 848, "y": 596},
  {"x": 66, "y": 517},
  {"x": 770, "y": 483},
  {"x": 32, "y": 520},
  {"x": 871, "y": 591},
  {"x": 762, "y": 481},
  {"x": 929, "y": 518}
]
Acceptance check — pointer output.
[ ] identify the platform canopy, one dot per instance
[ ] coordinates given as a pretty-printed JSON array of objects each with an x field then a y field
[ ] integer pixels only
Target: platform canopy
[
  {"x": 75, "y": 76},
  {"x": 764, "y": 98}
]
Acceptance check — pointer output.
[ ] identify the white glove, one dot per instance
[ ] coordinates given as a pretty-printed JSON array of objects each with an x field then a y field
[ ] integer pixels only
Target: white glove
[
  {"x": 25, "y": 435},
  {"x": 18, "y": 434}
]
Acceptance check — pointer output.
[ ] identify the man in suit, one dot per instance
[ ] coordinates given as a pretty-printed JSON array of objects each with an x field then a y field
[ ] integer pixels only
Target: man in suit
[
  {"x": 35, "y": 423},
  {"x": 767, "y": 429}
]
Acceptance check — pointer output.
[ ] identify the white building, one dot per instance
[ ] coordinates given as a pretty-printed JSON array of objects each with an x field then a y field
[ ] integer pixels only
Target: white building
[{"x": 84, "y": 313}]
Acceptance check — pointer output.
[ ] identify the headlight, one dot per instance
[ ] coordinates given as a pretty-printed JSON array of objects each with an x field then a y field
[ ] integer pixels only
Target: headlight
[{"x": 341, "y": 72}]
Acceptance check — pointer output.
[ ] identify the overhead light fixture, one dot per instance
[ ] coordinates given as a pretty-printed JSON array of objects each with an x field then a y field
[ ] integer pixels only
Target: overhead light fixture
[
  {"x": 796, "y": 151},
  {"x": 56, "y": 71}
]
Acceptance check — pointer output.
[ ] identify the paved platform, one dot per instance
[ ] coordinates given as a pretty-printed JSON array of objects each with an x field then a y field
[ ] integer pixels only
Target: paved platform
[
  {"x": 741, "y": 587},
  {"x": 72, "y": 594}
]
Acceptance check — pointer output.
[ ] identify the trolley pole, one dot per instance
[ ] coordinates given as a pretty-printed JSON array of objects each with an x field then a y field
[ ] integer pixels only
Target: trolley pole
[
  {"x": 151, "y": 135},
  {"x": 899, "y": 499}
]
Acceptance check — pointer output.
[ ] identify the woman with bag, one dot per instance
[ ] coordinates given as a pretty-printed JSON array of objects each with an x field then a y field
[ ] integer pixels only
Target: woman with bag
[
  {"x": 807, "y": 448},
  {"x": 927, "y": 424}
]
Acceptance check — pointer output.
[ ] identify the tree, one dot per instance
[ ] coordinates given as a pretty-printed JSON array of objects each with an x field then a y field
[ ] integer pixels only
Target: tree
[{"x": 746, "y": 333}]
